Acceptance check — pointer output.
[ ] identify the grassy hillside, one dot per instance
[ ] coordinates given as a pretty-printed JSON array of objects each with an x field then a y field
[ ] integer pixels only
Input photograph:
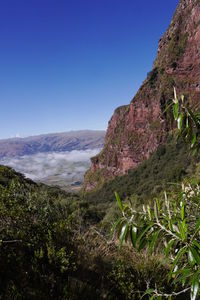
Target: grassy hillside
[{"x": 168, "y": 165}]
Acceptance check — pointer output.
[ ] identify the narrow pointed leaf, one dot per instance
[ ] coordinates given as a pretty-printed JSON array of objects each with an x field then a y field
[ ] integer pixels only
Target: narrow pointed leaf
[
  {"x": 175, "y": 110},
  {"x": 191, "y": 259},
  {"x": 175, "y": 262},
  {"x": 194, "y": 139},
  {"x": 119, "y": 201},
  {"x": 183, "y": 212},
  {"x": 195, "y": 243},
  {"x": 142, "y": 244},
  {"x": 123, "y": 234},
  {"x": 115, "y": 225},
  {"x": 195, "y": 255},
  {"x": 194, "y": 289},
  {"x": 144, "y": 232},
  {"x": 153, "y": 241},
  {"x": 133, "y": 236}
]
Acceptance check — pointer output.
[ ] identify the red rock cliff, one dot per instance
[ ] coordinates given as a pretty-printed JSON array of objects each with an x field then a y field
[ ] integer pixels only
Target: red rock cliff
[{"x": 136, "y": 130}]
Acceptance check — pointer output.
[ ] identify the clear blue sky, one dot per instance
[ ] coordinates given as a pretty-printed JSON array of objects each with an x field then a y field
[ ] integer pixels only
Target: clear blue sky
[{"x": 67, "y": 64}]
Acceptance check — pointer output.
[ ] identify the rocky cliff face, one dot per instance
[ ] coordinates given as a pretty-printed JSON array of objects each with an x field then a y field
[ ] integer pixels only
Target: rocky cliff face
[{"x": 136, "y": 130}]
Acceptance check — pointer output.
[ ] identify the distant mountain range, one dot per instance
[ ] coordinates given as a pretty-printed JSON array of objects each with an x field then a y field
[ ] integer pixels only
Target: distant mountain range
[{"x": 55, "y": 142}]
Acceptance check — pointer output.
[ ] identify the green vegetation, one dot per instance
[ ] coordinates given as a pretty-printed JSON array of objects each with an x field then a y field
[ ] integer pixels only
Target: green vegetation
[
  {"x": 169, "y": 164},
  {"x": 172, "y": 225},
  {"x": 36, "y": 248}
]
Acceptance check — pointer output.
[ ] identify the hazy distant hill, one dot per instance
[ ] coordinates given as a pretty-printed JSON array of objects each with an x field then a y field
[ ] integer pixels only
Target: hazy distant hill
[{"x": 55, "y": 142}]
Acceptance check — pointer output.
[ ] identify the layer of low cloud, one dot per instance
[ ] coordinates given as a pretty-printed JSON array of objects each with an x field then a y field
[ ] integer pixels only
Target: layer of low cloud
[{"x": 55, "y": 166}]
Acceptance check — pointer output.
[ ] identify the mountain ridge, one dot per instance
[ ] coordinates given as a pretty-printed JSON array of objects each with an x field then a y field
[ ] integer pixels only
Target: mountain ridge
[{"x": 52, "y": 142}]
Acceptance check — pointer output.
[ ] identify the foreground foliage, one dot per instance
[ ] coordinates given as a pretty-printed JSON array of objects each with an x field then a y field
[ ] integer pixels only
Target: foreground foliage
[{"x": 173, "y": 225}]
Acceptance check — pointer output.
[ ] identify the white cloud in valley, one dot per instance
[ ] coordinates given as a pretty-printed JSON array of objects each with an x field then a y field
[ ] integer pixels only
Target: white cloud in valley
[{"x": 55, "y": 166}]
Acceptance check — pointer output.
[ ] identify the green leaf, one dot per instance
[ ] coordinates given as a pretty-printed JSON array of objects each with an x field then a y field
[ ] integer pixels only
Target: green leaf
[
  {"x": 192, "y": 116},
  {"x": 133, "y": 233},
  {"x": 178, "y": 256},
  {"x": 167, "y": 108},
  {"x": 170, "y": 224},
  {"x": 184, "y": 273},
  {"x": 123, "y": 234},
  {"x": 142, "y": 244},
  {"x": 195, "y": 243},
  {"x": 175, "y": 110},
  {"x": 153, "y": 241},
  {"x": 182, "y": 230},
  {"x": 119, "y": 201},
  {"x": 144, "y": 231},
  {"x": 194, "y": 288},
  {"x": 191, "y": 259},
  {"x": 194, "y": 139},
  {"x": 148, "y": 292},
  {"x": 183, "y": 212},
  {"x": 114, "y": 226},
  {"x": 195, "y": 255}
]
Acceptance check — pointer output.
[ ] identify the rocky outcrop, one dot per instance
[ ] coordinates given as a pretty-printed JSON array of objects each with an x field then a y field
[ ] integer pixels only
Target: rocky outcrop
[{"x": 136, "y": 130}]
